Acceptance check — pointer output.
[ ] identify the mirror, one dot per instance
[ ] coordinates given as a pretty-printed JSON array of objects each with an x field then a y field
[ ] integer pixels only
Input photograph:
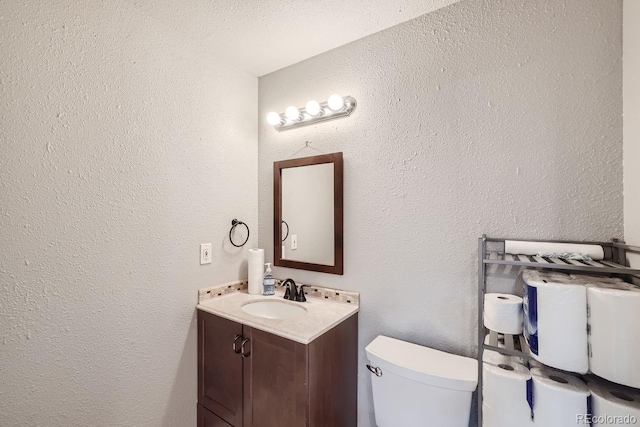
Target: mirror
[{"x": 308, "y": 213}]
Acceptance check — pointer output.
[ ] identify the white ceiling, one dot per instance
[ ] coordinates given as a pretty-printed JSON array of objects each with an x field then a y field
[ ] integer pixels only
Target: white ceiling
[{"x": 261, "y": 36}]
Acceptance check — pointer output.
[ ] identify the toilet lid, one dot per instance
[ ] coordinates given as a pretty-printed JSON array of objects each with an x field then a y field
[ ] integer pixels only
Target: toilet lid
[{"x": 423, "y": 364}]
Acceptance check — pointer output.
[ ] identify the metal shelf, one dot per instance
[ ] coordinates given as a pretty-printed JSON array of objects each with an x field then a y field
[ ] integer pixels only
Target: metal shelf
[
  {"x": 597, "y": 267},
  {"x": 511, "y": 342},
  {"x": 491, "y": 252}
]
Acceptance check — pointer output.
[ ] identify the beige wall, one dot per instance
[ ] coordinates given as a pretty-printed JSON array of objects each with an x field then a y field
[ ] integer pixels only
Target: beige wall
[
  {"x": 122, "y": 148},
  {"x": 494, "y": 117},
  {"x": 631, "y": 96}
]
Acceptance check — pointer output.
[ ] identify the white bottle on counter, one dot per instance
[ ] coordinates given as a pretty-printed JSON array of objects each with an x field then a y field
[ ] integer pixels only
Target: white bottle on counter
[{"x": 269, "y": 282}]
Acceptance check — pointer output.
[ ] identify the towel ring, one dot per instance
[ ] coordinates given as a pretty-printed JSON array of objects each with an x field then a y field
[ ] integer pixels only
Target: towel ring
[
  {"x": 233, "y": 226},
  {"x": 287, "y": 235}
]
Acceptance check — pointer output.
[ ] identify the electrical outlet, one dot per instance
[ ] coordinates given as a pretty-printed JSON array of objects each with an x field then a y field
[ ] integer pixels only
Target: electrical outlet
[
  {"x": 205, "y": 253},
  {"x": 294, "y": 242}
]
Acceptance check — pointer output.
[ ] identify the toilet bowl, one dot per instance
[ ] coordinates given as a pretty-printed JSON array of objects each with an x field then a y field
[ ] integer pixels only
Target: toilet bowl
[{"x": 416, "y": 386}]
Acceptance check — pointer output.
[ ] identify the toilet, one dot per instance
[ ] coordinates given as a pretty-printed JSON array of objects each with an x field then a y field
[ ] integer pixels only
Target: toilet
[{"x": 416, "y": 386}]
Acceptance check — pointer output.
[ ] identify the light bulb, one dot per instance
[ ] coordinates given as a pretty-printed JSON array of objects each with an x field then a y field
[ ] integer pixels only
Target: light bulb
[
  {"x": 335, "y": 102},
  {"x": 292, "y": 113},
  {"x": 274, "y": 118},
  {"x": 313, "y": 108}
]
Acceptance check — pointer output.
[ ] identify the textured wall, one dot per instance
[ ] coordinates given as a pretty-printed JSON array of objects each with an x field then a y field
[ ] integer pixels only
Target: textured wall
[
  {"x": 122, "y": 148},
  {"x": 631, "y": 96},
  {"x": 494, "y": 117}
]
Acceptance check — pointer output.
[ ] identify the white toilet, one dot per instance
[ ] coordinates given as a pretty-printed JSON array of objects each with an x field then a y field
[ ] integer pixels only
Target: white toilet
[{"x": 416, "y": 386}]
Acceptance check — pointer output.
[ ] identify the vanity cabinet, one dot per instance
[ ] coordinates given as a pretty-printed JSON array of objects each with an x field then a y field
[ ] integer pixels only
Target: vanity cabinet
[{"x": 271, "y": 381}]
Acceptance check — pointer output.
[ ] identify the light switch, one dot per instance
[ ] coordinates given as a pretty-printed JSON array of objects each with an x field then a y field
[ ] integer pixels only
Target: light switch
[{"x": 294, "y": 242}]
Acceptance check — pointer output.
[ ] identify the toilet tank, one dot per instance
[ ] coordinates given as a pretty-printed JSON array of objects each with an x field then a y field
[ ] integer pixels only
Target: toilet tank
[{"x": 416, "y": 386}]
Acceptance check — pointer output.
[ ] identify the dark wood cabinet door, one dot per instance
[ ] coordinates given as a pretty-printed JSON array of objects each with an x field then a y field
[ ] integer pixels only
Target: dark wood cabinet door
[
  {"x": 275, "y": 381},
  {"x": 220, "y": 368},
  {"x": 209, "y": 419}
]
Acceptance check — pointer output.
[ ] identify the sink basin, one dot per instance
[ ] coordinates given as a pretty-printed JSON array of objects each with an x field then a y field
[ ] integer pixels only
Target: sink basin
[{"x": 273, "y": 309}]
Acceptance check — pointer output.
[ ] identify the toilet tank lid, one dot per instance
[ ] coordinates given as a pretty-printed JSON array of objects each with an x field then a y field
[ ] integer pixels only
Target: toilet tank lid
[{"x": 423, "y": 364}]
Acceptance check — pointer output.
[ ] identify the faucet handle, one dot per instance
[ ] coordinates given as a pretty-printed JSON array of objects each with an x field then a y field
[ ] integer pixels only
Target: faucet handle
[{"x": 301, "y": 297}]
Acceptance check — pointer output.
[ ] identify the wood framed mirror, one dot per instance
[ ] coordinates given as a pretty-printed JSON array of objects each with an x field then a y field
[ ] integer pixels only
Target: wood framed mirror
[{"x": 308, "y": 213}]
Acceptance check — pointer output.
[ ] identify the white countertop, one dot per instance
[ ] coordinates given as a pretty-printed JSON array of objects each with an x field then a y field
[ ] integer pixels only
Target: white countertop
[{"x": 321, "y": 315}]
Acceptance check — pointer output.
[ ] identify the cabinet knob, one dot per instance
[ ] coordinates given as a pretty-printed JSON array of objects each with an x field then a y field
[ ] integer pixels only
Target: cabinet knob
[
  {"x": 247, "y": 353},
  {"x": 235, "y": 339}
]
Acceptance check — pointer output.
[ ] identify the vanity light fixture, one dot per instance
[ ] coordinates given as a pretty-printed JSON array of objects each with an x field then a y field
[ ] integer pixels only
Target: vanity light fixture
[
  {"x": 313, "y": 108},
  {"x": 293, "y": 114},
  {"x": 275, "y": 119},
  {"x": 335, "y": 102},
  {"x": 336, "y": 107}
]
